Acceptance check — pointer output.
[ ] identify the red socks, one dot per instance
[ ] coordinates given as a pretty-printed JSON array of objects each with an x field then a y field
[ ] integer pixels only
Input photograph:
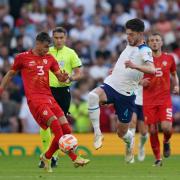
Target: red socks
[
  {"x": 57, "y": 130},
  {"x": 72, "y": 155},
  {"x": 66, "y": 128},
  {"x": 154, "y": 140}
]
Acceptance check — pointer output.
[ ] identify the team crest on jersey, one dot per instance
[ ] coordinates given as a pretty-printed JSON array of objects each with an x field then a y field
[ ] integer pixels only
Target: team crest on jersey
[
  {"x": 32, "y": 63},
  {"x": 45, "y": 61},
  {"x": 61, "y": 63},
  {"x": 45, "y": 112},
  {"x": 164, "y": 63}
]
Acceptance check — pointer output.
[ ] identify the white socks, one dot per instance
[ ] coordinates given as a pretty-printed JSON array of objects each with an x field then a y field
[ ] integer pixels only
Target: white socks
[
  {"x": 133, "y": 130},
  {"x": 94, "y": 111},
  {"x": 143, "y": 139},
  {"x": 128, "y": 136}
]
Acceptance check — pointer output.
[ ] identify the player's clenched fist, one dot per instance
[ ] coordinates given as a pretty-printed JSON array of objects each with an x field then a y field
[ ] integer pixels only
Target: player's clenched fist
[{"x": 63, "y": 76}]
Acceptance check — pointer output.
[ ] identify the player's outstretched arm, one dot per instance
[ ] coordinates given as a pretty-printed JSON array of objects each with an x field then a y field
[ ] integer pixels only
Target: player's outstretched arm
[
  {"x": 148, "y": 68},
  {"x": 175, "y": 83},
  {"x": 9, "y": 75}
]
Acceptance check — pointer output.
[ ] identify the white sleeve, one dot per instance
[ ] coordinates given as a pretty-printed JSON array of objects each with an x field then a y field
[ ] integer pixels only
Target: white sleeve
[{"x": 146, "y": 54}]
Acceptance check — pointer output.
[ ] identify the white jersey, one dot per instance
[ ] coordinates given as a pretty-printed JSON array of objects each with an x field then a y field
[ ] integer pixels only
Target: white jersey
[
  {"x": 139, "y": 95},
  {"x": 125, "y": 80}
]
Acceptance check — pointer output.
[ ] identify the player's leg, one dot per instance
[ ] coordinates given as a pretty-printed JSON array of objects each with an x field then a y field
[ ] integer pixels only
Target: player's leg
[
  {"x": 166, "y": 125},
  {"x": 132, "y": 128},
  {"x": 124, "y": 106},
  {"x": 167, "y": 131},
  {"x": 151, "y": 115},
  {"x": 143, "y": 130},
  {"x": 155, "y": 144},
  {"x": 45, "y": 136},
  {"x": 95, "y": 97},
  {"x": 126, "y": 135},
  {"x": 55, "y": 127},
  {"x": 77, "y": 160},
  {"x": 63, "y": 98}
]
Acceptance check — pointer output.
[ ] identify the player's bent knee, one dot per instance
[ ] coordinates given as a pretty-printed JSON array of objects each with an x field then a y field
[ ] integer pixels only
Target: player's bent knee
[{"x": 93, "y": 100}]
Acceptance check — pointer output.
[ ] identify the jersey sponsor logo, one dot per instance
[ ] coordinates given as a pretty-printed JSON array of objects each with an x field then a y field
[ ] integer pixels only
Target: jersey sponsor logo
[
  {"x": 45, "y": 61},
  {"x": 32, "y": 63},
  {"x": 45, "y": 112}
]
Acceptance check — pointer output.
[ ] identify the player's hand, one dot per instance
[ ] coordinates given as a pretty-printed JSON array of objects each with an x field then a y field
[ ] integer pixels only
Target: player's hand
[
  {"x": 63, "y": 76},
  {"x": 176, "y": 90},
  {"x": 145, "y": 82},
  {"x": 130, "y": 64}
]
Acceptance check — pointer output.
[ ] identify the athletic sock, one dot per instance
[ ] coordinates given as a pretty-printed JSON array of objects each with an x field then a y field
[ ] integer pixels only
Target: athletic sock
[
  {"x": 66, "y": 128},
  {"x": 57, "y": 130},
  {"x": 154, "y": 140},
  {"x": 128, "y": 137},
  {"x": 143, "y": 139},
  {"x": 94, "y": 111}
]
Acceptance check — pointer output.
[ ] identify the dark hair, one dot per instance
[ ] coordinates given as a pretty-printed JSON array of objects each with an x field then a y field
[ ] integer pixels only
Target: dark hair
[
  {"x": 43, "y": 37},
  {"x": 136, "y": 25},
  {"x": 59, "y": 30}
]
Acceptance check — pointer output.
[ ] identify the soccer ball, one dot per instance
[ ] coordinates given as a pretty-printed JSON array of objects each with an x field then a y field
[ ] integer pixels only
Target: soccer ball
[{"x": 67, "y": 143}]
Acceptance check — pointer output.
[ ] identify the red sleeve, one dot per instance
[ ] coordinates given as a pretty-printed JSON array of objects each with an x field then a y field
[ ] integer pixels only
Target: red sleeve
[
  {"x": 54, "y": 65},
  {"x": 173, "y": 65},
  {"x": 17, "y": 63}
]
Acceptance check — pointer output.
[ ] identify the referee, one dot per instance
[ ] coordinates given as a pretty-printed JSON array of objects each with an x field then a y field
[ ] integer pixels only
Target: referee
[{"x": 69, "y": 61}]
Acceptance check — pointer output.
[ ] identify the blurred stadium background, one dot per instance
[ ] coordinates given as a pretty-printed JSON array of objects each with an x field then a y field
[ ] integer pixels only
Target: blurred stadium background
[{"x": 96, "y": 32}]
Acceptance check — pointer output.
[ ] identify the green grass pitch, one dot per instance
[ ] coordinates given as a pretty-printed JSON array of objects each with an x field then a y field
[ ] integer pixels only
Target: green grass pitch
[{"x": 100, "y": 168}]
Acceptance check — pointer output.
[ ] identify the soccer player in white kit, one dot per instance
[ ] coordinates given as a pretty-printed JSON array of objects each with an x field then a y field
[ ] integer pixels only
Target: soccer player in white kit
[{"x": 119, "y": 87}]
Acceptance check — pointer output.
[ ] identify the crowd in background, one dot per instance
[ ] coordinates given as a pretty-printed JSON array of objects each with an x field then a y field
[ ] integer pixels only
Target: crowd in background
[{"x": 96, "y": 32}]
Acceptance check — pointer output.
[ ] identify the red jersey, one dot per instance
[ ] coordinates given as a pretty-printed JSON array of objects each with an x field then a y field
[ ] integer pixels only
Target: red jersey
[
  {"x": 158, "y": 92},
  {"x": 35, "y": 73}
]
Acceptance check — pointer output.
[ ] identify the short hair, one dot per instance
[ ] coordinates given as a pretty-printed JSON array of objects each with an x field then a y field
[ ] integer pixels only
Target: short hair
[
  {"x": 59, "y": 30},
  {"x": 136, "y": 25},
  {"x": 155, "y": 34},
  {"x": 43, "y": 37}
]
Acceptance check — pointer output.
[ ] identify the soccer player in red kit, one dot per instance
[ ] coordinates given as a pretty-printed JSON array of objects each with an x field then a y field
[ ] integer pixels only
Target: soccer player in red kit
[
  {"x": 157, "y": 98},
  {"x": 34, "y": 66}
]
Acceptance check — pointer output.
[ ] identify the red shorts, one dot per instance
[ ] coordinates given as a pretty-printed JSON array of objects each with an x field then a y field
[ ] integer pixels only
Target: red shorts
[
  {"x": 157, "y": 113},
  {"x": 43, "y": 109}
]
